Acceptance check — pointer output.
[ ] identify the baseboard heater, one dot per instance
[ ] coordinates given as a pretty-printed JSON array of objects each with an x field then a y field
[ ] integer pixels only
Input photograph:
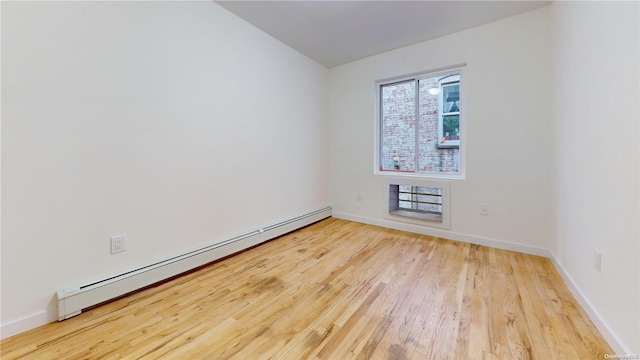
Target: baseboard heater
[{"x": 72, "y": 301}]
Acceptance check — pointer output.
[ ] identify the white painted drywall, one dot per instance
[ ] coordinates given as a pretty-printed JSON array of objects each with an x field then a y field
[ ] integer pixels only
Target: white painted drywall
[
  {"x": 507, "y": 80},
  {"x": 553, "y": 145},
  {"x": 596, "y": 113},
  {"x": 166, "y": 120},
  {"x": 176, "y": 123}
]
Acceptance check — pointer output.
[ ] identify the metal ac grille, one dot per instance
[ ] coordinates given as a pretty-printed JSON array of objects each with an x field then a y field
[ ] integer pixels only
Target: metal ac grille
[{"x": 416, "y": 202}]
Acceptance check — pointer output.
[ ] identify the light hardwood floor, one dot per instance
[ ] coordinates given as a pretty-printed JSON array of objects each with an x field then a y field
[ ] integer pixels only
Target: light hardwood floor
[{"x": 337, "y": 290}]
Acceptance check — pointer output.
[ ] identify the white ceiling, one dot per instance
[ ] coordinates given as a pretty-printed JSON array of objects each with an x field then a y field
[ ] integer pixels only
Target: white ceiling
[{"x": 337, "y": 32}]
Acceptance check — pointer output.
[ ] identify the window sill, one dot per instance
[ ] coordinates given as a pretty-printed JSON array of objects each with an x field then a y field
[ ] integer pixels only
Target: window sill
[
  {"x": 448, "y": 146},
  {"x": 420, "y": 175},
  {"x": 417, "y": 215}
]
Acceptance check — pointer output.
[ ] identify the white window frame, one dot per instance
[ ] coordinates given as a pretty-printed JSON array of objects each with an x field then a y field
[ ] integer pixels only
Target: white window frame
[{"x": 460, "y": 175}]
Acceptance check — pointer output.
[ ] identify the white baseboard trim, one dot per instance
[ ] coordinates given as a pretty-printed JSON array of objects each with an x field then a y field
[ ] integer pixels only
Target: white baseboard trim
[
  {"x": 51, "y": 315},
  {"x": 594, "y": 315},
  {"x": 148, "y": 275},
  {"x": 27, "y": 323},
  {"x": 446, "y": 234},
  {"x": 603, "y": 327}
]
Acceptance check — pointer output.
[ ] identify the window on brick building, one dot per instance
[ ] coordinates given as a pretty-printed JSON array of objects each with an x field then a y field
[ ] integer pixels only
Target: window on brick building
[
  {"x": 420, "y": 125},
  {"x": 449, "y": 112}
]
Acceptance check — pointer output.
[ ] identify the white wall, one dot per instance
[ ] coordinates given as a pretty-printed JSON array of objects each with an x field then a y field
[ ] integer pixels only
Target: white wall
[
  {"x": 167, "y": 120},
  {"x": 174, "y": 122},
  {"x": 596, "y": 117},
  {"x": 507, "y": 78},
  {"x": 552, "y": 146}
]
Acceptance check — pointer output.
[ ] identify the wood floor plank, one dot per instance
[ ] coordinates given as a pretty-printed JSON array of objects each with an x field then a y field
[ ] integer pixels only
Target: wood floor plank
[{"x": 337, "y": 290}]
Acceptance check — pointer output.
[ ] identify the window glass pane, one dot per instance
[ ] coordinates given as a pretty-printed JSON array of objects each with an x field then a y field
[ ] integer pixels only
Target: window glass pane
[
  {"x": 451, "y": 127},
  {"x": 450, "y": 98},
  {"x": 432, "y": 125},
  {"x": 398, "y": 126}
]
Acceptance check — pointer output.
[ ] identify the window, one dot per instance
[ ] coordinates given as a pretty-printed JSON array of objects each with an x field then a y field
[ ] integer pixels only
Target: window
[
  {"x": 449, "y": 112},
  {"x": 420, "y": 126}
]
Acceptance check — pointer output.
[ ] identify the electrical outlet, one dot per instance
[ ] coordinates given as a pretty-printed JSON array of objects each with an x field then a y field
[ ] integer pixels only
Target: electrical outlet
[
  {"x": 484, "y": 210},
  {"x": 118, "y": 243},
  {"x": 597, "y": 260},
  {"x": 359, "y": 197}
]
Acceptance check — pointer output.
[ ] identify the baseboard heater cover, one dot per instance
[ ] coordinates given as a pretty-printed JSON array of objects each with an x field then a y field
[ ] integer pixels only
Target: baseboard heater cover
[{"x": 71, "y": 301}]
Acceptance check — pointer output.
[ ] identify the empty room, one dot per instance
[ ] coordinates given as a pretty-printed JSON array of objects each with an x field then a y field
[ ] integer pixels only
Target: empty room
[{"x": 320, "y": 180}]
